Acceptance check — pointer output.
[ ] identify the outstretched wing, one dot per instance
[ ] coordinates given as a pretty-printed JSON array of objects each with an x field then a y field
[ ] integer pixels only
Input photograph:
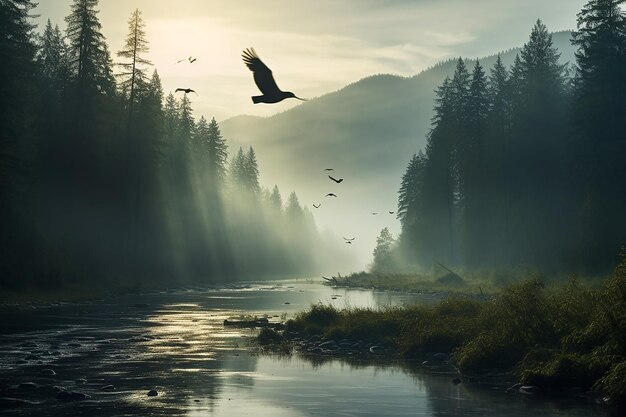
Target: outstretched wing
[{"x": 262, "y": 74}]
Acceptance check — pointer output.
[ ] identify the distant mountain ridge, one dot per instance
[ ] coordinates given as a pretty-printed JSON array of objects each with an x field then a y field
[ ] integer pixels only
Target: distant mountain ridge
[{"x": 367, "y": 130}]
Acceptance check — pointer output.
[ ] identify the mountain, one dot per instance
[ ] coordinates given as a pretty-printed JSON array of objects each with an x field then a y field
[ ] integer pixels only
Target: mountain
[{"x": 367, "y": 132}]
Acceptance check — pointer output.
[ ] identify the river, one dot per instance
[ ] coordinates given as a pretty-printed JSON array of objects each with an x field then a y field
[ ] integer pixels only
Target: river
[{"x": 115, "y": 350}]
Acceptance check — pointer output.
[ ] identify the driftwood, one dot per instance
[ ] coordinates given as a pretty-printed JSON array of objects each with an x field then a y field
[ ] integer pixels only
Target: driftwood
[
  {"x": 449, "y": 270},
  {"x": 262, "y": 322}
]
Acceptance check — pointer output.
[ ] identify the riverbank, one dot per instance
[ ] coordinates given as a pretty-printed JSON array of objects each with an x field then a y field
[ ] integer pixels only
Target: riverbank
[{"x": 556, "y": 339}]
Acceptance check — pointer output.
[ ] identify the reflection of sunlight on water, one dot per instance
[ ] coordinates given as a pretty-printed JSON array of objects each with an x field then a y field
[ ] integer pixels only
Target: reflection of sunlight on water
[{"x": 187, "y": 332}]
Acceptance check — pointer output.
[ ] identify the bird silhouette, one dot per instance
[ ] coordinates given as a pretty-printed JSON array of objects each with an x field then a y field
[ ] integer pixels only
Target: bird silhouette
[
  {"x": 317, "y": 205},
  {"x": 185, "y": 90},
  {"x": 349, "y": 240},
  {"x": 349, "y": 243},
  {"x": 330, "y": 195},
  {"x": 391, "y": 212},
  {"x": 374, "y": 213},
  {"x": 191, "y": 60},
  {"x": 264, "y": 80},
  {"x": 329, "y": 169},
  {"x": 338, "y": 181}
]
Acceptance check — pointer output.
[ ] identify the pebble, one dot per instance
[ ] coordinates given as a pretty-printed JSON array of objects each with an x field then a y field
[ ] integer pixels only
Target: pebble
[{"x": 152, "y": 393}]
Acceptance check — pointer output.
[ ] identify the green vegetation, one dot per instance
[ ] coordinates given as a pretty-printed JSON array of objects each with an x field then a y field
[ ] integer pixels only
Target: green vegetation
[
  {"x": 557, "y": 337},
  {"x": 475, "y": 282}
]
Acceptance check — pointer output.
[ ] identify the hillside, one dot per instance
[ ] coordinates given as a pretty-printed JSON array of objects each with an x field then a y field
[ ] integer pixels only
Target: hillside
[{"x": 367, "y": 131}]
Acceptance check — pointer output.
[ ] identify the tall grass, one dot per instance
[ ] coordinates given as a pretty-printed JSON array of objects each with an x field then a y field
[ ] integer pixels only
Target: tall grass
[{"x": 555, "y": 336}]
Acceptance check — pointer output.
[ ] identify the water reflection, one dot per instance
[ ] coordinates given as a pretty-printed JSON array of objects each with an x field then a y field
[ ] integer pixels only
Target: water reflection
[{"x": 175, "y": 342}]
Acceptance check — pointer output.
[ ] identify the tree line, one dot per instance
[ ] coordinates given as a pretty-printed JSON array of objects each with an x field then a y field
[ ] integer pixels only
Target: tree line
[
  {"x": 526, "y": 165},
  {"x": 107, "y": 178}
]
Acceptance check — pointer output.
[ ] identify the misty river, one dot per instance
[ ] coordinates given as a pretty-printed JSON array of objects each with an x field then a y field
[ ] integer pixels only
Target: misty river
[{"x": 117, "y": 349}]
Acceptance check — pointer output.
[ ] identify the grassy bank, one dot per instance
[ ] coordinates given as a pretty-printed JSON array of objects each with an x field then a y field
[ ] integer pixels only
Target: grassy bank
[
  {"x": 463, "y": 282},
  {"x": 556, "y": 337}
]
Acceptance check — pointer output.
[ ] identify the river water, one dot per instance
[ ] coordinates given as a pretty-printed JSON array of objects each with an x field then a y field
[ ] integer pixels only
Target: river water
[{"x": 175, "y": 343}]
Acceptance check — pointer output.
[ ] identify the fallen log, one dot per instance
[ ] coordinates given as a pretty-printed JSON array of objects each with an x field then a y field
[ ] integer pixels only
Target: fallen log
[{"x": 250, "y": 324}]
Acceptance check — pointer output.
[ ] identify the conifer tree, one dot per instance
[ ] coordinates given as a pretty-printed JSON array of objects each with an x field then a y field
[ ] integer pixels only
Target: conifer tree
[
  {"x": 599, "y": 130},
  {"x": 251, "y": 170},
  {"x": 217, "y": 152},
  {"x": 133, "y": 73},
  {"x": 89, "y": 57},
  {"x": 275, "y": 199}
]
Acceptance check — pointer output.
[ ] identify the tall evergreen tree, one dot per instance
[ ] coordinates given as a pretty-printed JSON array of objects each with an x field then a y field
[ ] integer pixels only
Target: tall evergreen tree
[
  {"x": 88, "y": 51},
  {"x": 251, "y": 169},
  {"x": 383, "y": 256},
  {"x": 537, "y": 144},
  {"x": 133, "y": 73},
  {"x": 17, "y": 82},
  {"x": 275, "y": 199},
  {"x": 217, "y": 152},
  {"x": 600, "y": 130},
  {"x": 471, "y": 160}
]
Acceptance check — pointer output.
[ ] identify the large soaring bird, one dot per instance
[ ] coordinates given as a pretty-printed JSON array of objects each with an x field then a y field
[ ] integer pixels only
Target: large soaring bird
[
  {"x": 264, "y": 80},
  {"x": 185, "y": 90}
]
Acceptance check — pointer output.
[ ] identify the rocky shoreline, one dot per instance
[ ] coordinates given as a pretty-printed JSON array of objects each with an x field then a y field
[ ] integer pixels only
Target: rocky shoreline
[{"x": 280, "y": 340}]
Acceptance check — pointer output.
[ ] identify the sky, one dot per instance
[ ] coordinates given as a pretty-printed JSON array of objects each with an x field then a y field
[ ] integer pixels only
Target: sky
[{"x": 312, "y": 47}]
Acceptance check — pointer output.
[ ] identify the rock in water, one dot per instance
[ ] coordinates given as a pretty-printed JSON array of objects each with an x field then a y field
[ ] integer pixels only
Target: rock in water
[{"x": 152, "y": 393}]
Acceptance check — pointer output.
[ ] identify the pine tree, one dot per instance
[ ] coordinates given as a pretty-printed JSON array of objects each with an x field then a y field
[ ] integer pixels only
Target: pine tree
[
  {"x": 237, "y": 171},
  {"x": 17, "y": 94},
  {"x": 411, "y": 206},
  {"x": 251, "y": 169},
  {"x": 275, "y": 199},
  {"x": 437, "y": 235},
  {"x": 383, "y": 259},
  {"x": 471, "y": 160},
  {"x": 186, "y": 124},
  {"x": 217, "y": 152},
  {"x": 600, "y": 131},
  {"x": 89, "y": 57},
  {"x": 52, "y": 60},
  {"x": 293, "y": 210},
  {"x": 133, "y": 73},
  {"x": 498, "y": 159},
  {"x": 537, "y": 144}
]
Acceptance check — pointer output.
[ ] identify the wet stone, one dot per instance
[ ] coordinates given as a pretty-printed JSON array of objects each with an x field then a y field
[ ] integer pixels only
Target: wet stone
[{"x": 152, "y": 393}]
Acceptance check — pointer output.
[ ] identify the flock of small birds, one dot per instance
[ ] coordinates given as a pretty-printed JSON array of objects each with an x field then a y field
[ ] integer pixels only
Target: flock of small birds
[
  {"x": 264, "y": 80},
  {"x": 339, "y": 181}
]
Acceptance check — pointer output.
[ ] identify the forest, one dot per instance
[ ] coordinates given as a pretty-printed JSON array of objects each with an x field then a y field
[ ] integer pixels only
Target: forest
[
  {"x": 523, "y": 165},
  {"x": 107, "y": 180}
]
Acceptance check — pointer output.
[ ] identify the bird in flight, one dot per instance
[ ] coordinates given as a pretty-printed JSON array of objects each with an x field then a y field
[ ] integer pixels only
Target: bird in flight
[
  {"x": 391, "y": 212},
  {"x": 317, "y": 205},
  {"x": 264, "y": 80},
  {"x": 191, "y": 60},
  {"x": 330, "y": 195},
  {"x": 374, "y": 213},
  {"x": 329, "y": 169},
  {"x": 349, "y": 240},
  {"x": 186, "y": 90},
  {"x": 335, "y": 179}
]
